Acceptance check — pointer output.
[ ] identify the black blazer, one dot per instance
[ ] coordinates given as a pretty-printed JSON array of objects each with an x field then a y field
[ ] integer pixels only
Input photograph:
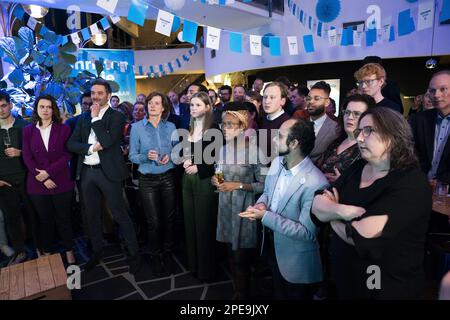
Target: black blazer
[
  {"x": 109, "y": 131},
  {"x": 423, "y": 126}
]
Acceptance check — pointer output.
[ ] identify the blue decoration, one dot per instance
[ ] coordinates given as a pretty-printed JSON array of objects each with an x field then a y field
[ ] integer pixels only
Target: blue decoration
[
  {"x": 308, "y": 43},
  {"x": 176, "y": 24},
  {"x": 444, "y": 17},
  {"x": 190, "y": 31},
  {"x": 274, "y": 43},
  {"x": 236, "y": 42},
  {"x": 411, "y": 1},
  {"x": 266, "y": 39},
  {"x": 328, "y": 10},
  {"x": 405, "y": 23}
]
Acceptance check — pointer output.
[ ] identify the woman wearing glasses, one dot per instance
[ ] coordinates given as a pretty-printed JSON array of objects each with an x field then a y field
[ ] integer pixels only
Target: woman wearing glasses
[
  {"x": 242, "y": 179},
  {"x": 344, "y": 151},
  {"x": 371, "y": 79},
  {"x": 378, "y": 210}
]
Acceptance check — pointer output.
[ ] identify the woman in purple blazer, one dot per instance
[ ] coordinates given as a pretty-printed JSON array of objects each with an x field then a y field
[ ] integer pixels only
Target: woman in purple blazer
[{"x": 49, "y": 183}]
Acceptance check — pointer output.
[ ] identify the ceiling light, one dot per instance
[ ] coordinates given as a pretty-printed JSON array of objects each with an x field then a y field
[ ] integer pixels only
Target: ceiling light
[
  {"x": 99, "y": 39},
  {"x": 35, "y": 11}
]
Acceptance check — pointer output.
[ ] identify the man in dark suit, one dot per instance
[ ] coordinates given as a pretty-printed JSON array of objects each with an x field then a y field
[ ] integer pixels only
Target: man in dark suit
[
  {"x": 431, "y": 130},
  {"x": 101, "y": 168}
]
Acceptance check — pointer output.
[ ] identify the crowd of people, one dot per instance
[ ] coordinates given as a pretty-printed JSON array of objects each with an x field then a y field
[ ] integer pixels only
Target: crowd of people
[{"x": 324, "y": 193}]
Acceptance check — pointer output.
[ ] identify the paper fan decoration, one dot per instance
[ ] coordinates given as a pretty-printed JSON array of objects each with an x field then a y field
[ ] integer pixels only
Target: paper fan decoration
[
  {"x": 411, "y": 1},
  {"x": 328, "y": 10}
]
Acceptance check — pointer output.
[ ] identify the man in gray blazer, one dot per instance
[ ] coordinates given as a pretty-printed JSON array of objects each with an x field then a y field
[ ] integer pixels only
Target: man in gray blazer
[
  {"x": 284, "y": 210},
  {"x": 325, "y": 129}
]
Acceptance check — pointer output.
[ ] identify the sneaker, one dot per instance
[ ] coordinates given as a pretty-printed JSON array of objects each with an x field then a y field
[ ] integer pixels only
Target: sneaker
[
  {"x": 7, "y": 250},
  {"x": 18, "y": 258}
]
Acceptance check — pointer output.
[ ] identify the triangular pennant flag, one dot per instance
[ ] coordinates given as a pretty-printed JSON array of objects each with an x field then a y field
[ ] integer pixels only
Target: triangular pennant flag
[
  {"x": 108, "y": 5},
  {"x": 213, "y": 38},
  {"x": 114, "y": 19},
  {"x": 274, "y": 46},
  {"x": 141, "y": 71},
  {"x": 371, "y": 37},
  {"x": 392, "y": 34},
  {"x": 444, "y": 17},
  {"x": 190, "y": 31},
  {"x": 170, "y": 67},
  {"x": 94, "y": 28},
  {"x": 161, "y": 68},
  {"x": 137, "y": 12},
  {"x": 292, "y": 45},
  {"x": 255, "y": 45},
  {"x": 308, "y": 43},
  {"x": 85, "y": 34},
  {"x": 236, "y": 42},
  {"x": 75, "y": 38},
  {"x": 164, "y": 22},
  {"x": 105, "y": 24},
  {"x": 405, "y": 23},
  {"x": 347, "y": 37},
  {"x": 319, "y": 29},
  {"x": 32, "y": 22},
  {"x": 178, "y": 63}
]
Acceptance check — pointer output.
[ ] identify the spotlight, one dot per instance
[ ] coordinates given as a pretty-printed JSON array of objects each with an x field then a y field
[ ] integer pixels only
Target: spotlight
[
  {"x": 99, "y": 39},
  {"x": 35, "y": 11},
  {"x": 431, "y": 63}
]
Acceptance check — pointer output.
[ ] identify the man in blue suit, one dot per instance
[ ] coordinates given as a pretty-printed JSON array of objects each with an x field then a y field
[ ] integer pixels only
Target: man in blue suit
[{"x": 284, "y": 210}]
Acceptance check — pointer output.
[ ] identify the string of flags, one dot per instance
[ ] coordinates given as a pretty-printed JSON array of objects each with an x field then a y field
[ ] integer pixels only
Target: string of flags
[
  {"x": 353, "y": 35},
  {"x": 164, "y": 69},
  {"x": 75, "y": 37}
]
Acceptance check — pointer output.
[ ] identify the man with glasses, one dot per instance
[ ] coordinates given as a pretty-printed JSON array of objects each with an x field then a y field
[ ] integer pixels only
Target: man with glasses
[
  {"x": 371, "y": 78},
  {"x": 431, "y": 130},
  {"x": 325, "y": 129}
]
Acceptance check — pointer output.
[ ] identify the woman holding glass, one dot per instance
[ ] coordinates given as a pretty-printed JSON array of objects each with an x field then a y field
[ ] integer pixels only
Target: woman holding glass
[
  {"x": 150, "y": 147},
  {"x": 242, "y": 178},
  {"x": 379, "y": 210},
  {"x": 199, "y": 198}
]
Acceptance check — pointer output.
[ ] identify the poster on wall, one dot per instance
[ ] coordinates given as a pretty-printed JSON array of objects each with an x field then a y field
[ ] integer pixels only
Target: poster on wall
[
  {"x": 117, "y": 66},
  {"x": 335, "y": 85}
]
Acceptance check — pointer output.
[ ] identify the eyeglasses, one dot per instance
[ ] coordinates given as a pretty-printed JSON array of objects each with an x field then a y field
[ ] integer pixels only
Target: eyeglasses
[
  {"x": 368, "y": 83},
  {"x": 315, "y": 98},
  {"x": 432, "y": 91},
  {"x": 228, "y": 125},
  {"x": 366, "y": 131},
  {"x": 355, "y": 114}
]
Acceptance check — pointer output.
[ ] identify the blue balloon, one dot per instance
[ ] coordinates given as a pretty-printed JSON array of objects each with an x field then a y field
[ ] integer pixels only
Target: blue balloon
[
  {"x": 176, "y": 24},
  {"x": 265, "y": 39}
]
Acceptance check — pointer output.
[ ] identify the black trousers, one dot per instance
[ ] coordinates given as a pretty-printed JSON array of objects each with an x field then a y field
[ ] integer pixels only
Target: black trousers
[
  {"x": 240, "y": 264},
  {"x": 283, "y": 289},
  {"x": 159, "y": 203},
  {"x": 95, "y": 187},
  {"x": 53, "y": 209},
  {"x": 12, "y": 201}
]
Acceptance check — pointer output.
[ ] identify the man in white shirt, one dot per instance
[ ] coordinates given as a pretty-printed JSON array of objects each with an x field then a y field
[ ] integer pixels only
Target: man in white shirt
[
  {"x": 101, "y": 168},
  {"x": 284, "y": 210},
  {"x": 325, "y": 129}
]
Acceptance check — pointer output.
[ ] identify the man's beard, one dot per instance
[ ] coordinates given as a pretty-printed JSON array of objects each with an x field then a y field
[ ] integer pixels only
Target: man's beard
[
  {"x": 283, "y": 153},
  {"x": 317, "y": 112}
]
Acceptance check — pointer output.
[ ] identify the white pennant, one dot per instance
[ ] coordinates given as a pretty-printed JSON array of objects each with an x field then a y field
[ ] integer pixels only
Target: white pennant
[
  {"x": 332, "y": 38},
  {"x": 94, "y": 28},
  {"x": 114, "y": 19},
  {"x": 32, "y": 22},
  {"x": 164, "y": 23},
  {"x": 255, "y": 45},
  {"x": 426, "y": 15},
  {"x": 386, "y": 27},
  {"x": 357, "y": 35},
  {"x": 108, "y": 5},
  {"x": 75, "y": 38},
  {"x": 213, "y": 38},
  {"x": 293, "y": 45}
]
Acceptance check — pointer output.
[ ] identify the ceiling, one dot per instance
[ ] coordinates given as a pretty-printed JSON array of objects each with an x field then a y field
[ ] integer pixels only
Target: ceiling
[{"x": 237, "y": 17}]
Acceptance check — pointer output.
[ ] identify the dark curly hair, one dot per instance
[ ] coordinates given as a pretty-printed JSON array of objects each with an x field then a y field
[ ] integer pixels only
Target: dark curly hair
[
  {"x": 303, "y": 132},
  {"x": 56, "y": 116},
  {"x": 396, "y": 132}
]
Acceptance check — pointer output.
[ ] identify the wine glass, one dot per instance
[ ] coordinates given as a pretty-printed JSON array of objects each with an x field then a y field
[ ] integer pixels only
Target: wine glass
[
  {"x": 7, "y": 141},
  {"x": 218, "y": 173}
]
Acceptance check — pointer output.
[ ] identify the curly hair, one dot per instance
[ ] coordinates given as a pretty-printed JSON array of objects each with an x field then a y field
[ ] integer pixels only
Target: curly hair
[
  {"x": 396, "y": 132},
  {"x": 56, "y": 116},
  {"x": 303, "y": 132},
  {"x": 369, "y": 69}
]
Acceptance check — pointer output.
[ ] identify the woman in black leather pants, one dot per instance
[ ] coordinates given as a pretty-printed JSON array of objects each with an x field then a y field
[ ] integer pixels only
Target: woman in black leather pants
[{"x": 150, "y": 148}]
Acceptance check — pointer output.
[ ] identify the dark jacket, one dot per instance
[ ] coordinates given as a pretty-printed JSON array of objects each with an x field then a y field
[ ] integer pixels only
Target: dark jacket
[
  {"x": 12, "y": 166},
  {"x": 109, "y": 131},
  {"x": 423, "y": 125}
]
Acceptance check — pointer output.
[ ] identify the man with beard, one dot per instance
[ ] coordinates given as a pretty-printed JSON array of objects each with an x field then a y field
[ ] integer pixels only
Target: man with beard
[
  {"x": 325, "y": 129},
  {"x": 284, "y": 208},
  {"x": 101, "y": 168},
  {"x": 239, "y": 93}
]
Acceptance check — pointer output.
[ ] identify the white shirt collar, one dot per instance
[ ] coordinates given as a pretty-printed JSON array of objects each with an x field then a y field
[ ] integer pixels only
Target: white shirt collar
[
  {"x": 294, "y": 170},
  {"x": 102, "y": 111},
  {"x": 276, "y": 115},
  {"x": 319, "y": 122}
]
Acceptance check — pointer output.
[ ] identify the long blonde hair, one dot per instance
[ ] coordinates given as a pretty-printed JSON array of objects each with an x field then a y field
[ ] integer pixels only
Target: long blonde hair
[{"x": 208, "y": 120}]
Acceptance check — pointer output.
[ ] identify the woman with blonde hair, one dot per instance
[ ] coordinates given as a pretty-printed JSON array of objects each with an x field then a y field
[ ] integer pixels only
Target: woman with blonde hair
[{"x": 199, "y": 198}]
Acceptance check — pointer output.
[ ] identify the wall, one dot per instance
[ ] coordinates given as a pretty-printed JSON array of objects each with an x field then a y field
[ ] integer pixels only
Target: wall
[{"x": 413, "y": 45}]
